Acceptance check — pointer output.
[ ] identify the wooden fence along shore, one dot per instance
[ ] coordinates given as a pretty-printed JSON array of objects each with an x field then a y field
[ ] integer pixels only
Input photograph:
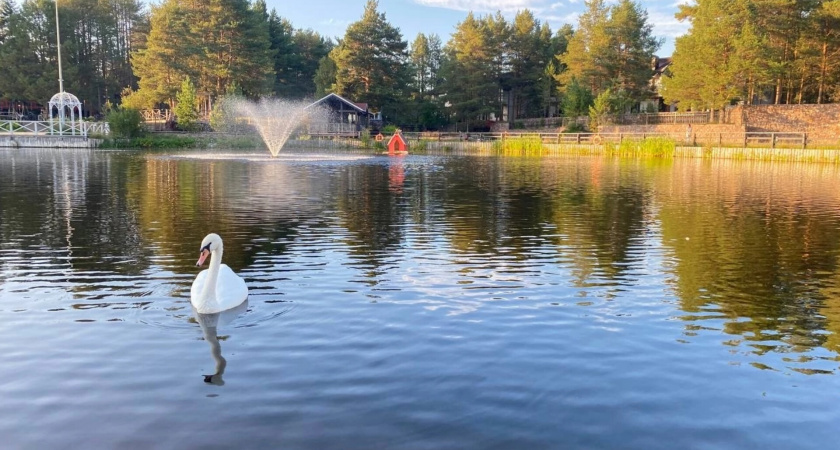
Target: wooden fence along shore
[
  {"x": 775, "y": 146},
  {"x": 703, "y": 139},
  {"x": 592, "y": 144}
]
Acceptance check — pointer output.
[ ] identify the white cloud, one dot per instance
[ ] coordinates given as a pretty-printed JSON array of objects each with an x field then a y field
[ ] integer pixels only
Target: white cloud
[
  {"x": 666, "y": 25},
  {"x": 485, "y": 5}
]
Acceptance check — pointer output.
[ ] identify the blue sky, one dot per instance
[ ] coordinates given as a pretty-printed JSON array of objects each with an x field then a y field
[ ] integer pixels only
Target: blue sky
[{"x": 331, "y": 17}]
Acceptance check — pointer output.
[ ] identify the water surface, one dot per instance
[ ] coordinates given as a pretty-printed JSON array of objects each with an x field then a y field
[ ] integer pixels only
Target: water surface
[{"x": 419, "y": 302}]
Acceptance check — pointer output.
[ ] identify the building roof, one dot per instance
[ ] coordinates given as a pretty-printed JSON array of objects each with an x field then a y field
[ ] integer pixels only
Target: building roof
[
  {"x": 360, "y": 107},
  {"x": 660, "y": 64}
]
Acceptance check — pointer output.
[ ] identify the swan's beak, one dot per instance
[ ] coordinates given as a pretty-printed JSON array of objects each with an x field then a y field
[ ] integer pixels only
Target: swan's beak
[{"x": 204, "y": 254}]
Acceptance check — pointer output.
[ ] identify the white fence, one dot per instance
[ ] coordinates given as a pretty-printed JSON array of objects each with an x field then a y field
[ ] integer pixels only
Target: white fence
[{"x": 53, "y": 128}]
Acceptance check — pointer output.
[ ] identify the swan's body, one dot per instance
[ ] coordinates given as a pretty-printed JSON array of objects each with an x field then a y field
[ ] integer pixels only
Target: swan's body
[{"x": 217, "y": 288}]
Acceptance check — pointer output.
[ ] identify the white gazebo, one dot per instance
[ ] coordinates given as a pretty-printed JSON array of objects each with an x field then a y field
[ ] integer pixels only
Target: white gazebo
[
  {"x": 64, "y": 102},
  {"x": 66, "y": 105}
]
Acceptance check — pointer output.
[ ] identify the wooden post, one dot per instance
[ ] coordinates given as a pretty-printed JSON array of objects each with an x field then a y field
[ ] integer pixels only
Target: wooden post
[{"x": 772, "y": 140}]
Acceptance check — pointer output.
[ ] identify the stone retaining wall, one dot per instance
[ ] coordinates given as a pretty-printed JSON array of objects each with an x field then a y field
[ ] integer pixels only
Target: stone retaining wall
[
  {"x": 816, "y": 120},
  {"x": 674, "y": 129},
  {"x": 24, "y": 141}
]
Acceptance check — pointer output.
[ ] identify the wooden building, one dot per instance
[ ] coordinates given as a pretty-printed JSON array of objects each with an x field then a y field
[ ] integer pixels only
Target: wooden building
[{"x": 334, "y": 115}]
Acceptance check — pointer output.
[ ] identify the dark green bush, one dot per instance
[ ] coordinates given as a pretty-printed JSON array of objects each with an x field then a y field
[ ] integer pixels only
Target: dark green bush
[{"x": 125, "y": 123}]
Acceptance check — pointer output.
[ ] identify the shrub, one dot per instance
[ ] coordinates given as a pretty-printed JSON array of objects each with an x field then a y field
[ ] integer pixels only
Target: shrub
[
  {"x": 186, "y": 110},
  {"x": 125, "y": 122},
  {"x": 575, "y": 127},
  {"x": 364, "y": 136}
]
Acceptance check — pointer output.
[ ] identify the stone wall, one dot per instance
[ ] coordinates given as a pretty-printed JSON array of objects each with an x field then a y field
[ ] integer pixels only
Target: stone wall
[
  {"x": 817, "y": 120},
  {"x": 674, "y": 129},
  {"x": 28, "y": 141}
]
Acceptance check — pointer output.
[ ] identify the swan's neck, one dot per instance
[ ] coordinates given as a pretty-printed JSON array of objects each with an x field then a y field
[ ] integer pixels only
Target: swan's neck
[{"x": 208, "y": 293}]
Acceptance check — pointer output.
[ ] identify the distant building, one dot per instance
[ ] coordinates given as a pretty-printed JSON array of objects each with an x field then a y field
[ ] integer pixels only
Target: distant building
[
  {"x": 656, "y": 103},
  {"x": 342, "y": 117}
]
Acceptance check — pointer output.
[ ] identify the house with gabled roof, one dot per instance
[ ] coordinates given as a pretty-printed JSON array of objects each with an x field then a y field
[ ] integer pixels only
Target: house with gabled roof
[
  {"x": 341, "y": 117},
  {"x": 656, "y": 103}
]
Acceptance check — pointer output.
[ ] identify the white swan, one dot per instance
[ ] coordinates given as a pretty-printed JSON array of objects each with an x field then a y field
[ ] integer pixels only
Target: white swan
[{"x": 217, "y": 288}]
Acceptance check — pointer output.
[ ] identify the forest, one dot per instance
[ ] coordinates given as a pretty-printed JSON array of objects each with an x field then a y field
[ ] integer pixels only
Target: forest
[{"x": 131, "y": 54}]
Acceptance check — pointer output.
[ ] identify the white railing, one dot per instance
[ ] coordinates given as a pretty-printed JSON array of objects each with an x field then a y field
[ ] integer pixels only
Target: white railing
[{"x": 53, "y": 128}]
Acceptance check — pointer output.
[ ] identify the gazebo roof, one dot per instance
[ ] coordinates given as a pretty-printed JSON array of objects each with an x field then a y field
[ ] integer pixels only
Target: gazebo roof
[{"x": 65, "y": 99}]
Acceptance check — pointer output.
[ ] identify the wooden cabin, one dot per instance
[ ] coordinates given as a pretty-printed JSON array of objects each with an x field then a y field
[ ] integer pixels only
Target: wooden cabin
[{"x": 341, "y": 117}]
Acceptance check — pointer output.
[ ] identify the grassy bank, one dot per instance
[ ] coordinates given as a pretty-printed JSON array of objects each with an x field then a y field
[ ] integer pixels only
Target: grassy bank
[{"x": 167, "y": 141}]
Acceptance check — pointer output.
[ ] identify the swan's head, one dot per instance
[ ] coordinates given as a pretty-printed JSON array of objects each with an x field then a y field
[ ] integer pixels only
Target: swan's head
[{"x": 211, "y": 243}]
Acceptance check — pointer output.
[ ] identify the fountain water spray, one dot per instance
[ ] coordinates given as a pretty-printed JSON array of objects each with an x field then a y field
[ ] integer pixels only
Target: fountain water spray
[{"x": 275, "y": 119}]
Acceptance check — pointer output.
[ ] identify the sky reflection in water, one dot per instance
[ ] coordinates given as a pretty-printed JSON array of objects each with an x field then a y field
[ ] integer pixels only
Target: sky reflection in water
[{"x": 419, "y": 302}]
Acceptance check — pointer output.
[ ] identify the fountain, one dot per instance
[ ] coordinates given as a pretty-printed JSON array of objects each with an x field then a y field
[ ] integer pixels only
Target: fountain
[{"x": 274, "y": 119}]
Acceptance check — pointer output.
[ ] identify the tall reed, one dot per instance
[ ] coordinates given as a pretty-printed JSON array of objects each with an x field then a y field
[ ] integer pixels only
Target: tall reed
[
  {"x": 519, "y": 146},
  {"x": 656, "y": 147}
]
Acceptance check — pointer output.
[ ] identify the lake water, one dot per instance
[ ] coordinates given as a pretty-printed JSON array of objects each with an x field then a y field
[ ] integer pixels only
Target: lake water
[{"x": 419, "y": 302}]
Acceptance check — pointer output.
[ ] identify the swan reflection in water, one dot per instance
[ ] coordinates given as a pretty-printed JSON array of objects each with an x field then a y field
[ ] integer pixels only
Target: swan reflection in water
[{"x": 209, "y": 327}]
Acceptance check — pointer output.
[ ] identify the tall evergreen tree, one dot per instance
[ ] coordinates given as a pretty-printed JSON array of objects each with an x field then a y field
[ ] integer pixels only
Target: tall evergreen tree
[
  {"x": 632, "y": 47},
  {"x": 186, "y": 110},
  {"x": 528, "y": 57},
  {"x": 7, "y": 8},
  {"x": 706, "y": 64},
  {"x": 470, "y": 72},
  {"x": 215, "y": 43},
  {"x": 585, "y": 56},
  {"x": 612, "y": 47},
  {"x": 420, "y": 56},
  {"x": 371, "y": 61},
  {"x": 325, "y": 77}
]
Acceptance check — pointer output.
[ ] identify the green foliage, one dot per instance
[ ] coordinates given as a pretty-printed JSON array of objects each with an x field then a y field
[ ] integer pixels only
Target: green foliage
[
  {"x": 389, "y": 129},
  {"x": 371, "y": 62},
  {"x": 424, "y": 110},
  {"x": 94, "y": 44},
  {"x": 125, "y": 122},
  {"x": 600, "y": 109},
  {"x": 520, "y": 146},
  {"x": 655, "y": 147},
  {"x": 575, "y": 127},
  {"x": 157, "y": 141},
  {"x": 297, "y": 55},
  {"x": 612, "y": 47},
  {"x": 215, "y": 43},
  {"x": 364, "y": 137},
  {"x": 577, "y": 99},
  {"x": 420, "y": 146},
  {"x": 777, "y": 51},
  {"x": 150, "y": 141},
  {"x": 186, "y": 108},
  {"x": 471, "y": 69},
  {"x": 325, "y": 77}
]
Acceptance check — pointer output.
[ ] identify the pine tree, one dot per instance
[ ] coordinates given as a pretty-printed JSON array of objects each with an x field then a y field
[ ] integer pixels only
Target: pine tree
[
  {"x": 632, "y": 48},
  {"x": 585, "y": 56},
  {"x": 706, "y": 64},
  {"x": 470, "y": 72},
  {"x": 186, "y": 110},
  {"x": 371, "y": 61},
  {"x": 325, "y": 77},
  {"x": 528, "y": 58}
]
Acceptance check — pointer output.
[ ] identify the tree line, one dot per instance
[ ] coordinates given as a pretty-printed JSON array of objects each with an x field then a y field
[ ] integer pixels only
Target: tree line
[{"x": 119, "y": 52}]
